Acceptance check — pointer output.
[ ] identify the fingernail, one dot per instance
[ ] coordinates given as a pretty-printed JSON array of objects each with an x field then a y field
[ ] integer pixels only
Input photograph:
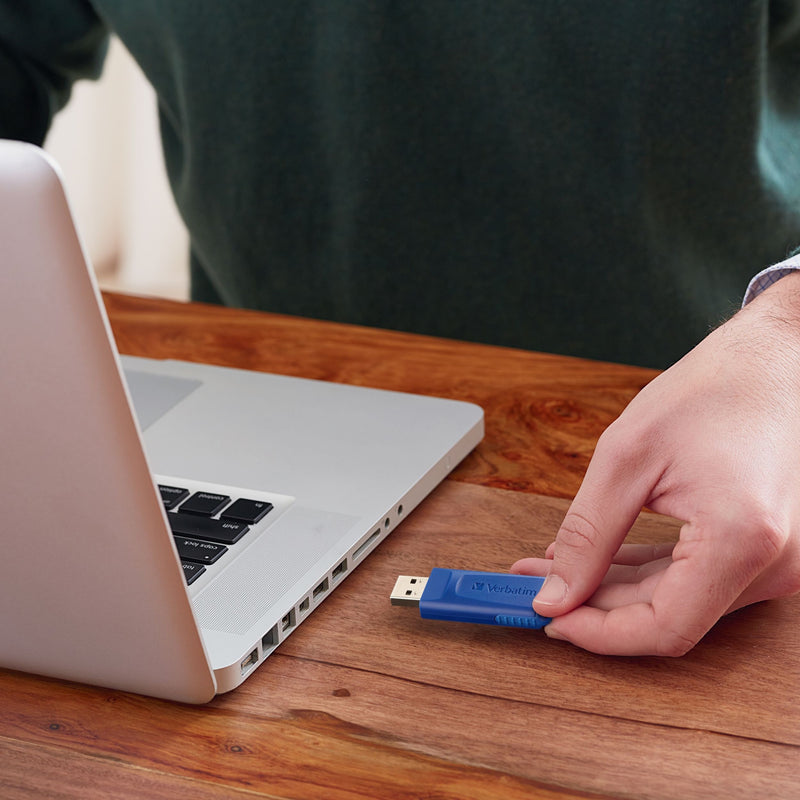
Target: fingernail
[
  {"x": 552, "y": 593},
  {"x": 553, "y": 634}
]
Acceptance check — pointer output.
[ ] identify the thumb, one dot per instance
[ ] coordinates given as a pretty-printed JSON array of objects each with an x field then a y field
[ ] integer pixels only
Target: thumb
[
  {"x": 596, "y": 524},
  {"x": 582, "y": 555}
]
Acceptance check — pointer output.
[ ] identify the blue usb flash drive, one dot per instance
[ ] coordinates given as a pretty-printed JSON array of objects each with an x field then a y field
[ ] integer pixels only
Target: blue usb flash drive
[{"x": 489, "y": 598}]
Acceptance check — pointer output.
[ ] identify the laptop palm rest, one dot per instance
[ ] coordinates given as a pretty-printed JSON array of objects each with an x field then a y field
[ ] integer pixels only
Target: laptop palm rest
[{"x": 154, "y": 395}]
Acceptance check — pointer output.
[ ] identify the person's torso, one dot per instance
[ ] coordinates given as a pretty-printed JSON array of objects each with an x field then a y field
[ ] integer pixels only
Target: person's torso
[{"x": 579, "y": 177}]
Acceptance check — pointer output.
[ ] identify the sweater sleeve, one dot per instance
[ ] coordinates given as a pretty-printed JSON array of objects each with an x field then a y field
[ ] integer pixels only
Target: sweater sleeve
[{"x": 45, "y": 46}]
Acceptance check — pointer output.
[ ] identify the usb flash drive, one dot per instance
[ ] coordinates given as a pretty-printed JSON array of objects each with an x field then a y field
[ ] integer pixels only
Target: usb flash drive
[{"x": 490, "y": 598}]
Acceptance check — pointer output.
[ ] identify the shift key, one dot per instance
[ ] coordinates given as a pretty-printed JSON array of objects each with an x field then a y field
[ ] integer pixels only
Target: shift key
[{"x": 215, "y": 530}]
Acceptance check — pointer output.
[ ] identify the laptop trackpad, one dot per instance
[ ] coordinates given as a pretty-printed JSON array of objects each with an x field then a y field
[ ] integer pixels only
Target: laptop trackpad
[{"x": 154, "y": 395}]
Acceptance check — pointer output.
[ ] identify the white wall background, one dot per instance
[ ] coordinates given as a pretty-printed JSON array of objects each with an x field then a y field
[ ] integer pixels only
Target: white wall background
[{"x": 107, "y": 143}]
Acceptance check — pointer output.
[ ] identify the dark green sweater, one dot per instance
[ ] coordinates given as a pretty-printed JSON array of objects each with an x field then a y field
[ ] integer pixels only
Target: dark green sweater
[{"x": 585, "y": 177}]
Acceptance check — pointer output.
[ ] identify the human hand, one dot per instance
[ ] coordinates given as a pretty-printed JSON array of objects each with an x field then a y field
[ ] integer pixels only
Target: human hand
[{"x": 715, "y": 442}]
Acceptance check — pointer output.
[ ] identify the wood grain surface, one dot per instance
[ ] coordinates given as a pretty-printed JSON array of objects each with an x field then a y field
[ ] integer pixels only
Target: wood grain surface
[
  {"x": 543, "y": 412},
  {"x": 367, "y": 700}
]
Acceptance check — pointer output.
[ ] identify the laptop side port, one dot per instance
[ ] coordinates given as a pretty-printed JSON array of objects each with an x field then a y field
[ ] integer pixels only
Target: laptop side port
[
  {"x": 365, "y": 545},
  {"x": 269, "y": 639},
  {"x": 287, "y": 621},
  {"x": 250, "y": 662},
  {"x": 320, "y": 589},
  {"x": 339, "y": 570}
]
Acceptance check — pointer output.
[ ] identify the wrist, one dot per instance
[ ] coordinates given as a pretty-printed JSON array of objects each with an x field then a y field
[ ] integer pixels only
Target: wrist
[{"x": 767, "y": 332}]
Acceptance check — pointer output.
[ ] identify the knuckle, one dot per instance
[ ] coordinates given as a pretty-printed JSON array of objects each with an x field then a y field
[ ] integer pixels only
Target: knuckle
[
  {"x": 770, "y": 538},
  {"x": 791, "y": 585},
  {"x": 674, "y": 643},
  {"x": 577, "y": 534},
  {"x": 793, "y": 582},
  {"x": 625, "y": 435},
  {"x": 613, "y": 440},
  {"x": 787, "y": 581},
  {"x": 764, "y": 542},
  {"x": 676, "y": 636},
  {"x": 626, "y": 448}
]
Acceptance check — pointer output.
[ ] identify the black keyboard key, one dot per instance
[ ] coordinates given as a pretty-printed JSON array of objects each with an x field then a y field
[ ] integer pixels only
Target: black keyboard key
[
  {"x": 199, "y": 552},
  {"x": 192, "y": 571},
  {"x": 205, "y": 504},
  {"x": 214, "y": 530},
  {"x": 248, "y": 511},
  {"x": 172, "y": 495}
]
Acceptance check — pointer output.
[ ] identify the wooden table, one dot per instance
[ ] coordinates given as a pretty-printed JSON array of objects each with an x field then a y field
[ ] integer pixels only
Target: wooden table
[{"x": 367, "y": 700}]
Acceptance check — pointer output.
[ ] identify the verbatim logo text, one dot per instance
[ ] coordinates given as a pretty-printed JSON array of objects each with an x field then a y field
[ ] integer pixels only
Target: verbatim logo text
[{"x": 502, "y": 588}]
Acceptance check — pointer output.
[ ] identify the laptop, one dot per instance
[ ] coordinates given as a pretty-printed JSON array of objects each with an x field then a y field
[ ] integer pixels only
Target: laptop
[{"x": 166, "y": 525}]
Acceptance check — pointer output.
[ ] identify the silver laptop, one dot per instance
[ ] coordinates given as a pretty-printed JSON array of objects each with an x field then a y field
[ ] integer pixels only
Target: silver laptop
[{"x": 167, "y": 525}]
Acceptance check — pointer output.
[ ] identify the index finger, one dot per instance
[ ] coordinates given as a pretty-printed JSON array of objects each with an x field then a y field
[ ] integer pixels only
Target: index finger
[{"x": 695, "y": 590}]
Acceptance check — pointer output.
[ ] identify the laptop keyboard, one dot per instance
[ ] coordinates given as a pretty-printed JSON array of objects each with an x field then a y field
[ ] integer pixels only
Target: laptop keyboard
[{"x": 205, "y": 524}]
